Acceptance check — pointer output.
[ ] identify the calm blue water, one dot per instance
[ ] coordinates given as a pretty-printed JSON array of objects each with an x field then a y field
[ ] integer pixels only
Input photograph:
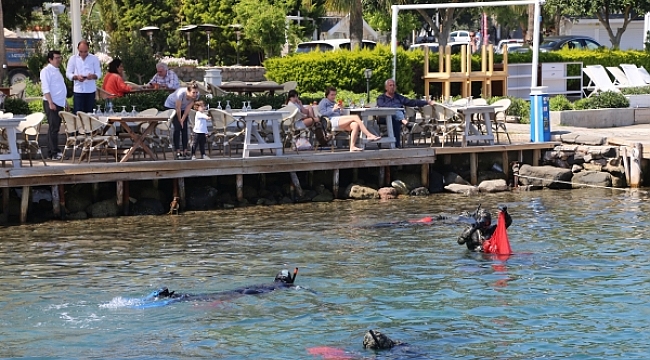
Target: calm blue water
[{"x": 577, "y": 288}]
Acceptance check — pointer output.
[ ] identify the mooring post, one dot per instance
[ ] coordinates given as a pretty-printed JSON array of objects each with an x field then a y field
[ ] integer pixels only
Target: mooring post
[
  {"x": 295, "y": 182},
  {"x": 424, "y": 175},
  {"x": 240, "y": 187},
  {"x": 335, "y": 183},
  {"x": 181, "y": 192},
  {"x": 56, "y": 201},
  {"x": 635, "y": 165},
  {"x": 473, "y": 168},
  {"x": 24, "y": 204},
  {"x": 5, "y": 204},
  {"x": 382, "y": 176}
]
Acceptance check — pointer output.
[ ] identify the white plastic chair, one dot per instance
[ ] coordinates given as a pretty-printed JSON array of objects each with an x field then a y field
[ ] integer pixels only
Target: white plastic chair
[
  {"x": 633, "y": 75},
  {"x": 499, "y": 123},
  {"x": 599, "y": 81},
  {"x": 620, "y": 79},
  {"x": 30, "y": 130}
]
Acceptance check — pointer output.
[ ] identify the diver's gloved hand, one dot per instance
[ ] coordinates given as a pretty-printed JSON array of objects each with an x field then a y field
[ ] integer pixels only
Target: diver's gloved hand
[{"x": 502, "y": 208}]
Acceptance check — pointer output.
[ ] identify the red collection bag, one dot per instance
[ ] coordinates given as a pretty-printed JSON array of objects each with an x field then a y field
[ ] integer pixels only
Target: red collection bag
[{"x": 498, "y": 243}]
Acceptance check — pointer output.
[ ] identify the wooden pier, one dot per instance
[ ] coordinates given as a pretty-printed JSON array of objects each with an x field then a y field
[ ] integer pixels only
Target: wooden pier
[{"x": 57, "y": 174}]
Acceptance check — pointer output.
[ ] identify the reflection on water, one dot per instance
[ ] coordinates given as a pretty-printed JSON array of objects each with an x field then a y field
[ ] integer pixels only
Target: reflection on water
[{"x": 576, "y": 288}]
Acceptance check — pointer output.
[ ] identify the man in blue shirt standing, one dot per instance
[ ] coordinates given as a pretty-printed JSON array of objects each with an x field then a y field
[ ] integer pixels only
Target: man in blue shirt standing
[{"x": 394, "y": 100}]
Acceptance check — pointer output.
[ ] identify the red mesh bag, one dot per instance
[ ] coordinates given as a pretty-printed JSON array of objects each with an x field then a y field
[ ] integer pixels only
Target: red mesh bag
[{"x": 498, "y": 243}]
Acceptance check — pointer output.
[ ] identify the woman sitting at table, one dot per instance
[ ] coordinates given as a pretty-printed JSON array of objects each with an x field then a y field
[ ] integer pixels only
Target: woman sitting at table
[
  {"x": 114, "y": 81},
  {"x": 306, "y": 112},
  {"x": 329, "y": 108},
  {"x": 182, "y": 101}
]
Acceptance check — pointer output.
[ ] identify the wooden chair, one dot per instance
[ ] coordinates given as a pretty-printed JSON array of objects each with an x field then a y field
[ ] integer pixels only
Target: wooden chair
[
  {"x": 448, "y": 127},
  {"x": 288, "y": 86},
  {"x": 74, "y": 131},
  {"x": 220, "y": 135},
  {"x": 30, "y": 130},
  {"x": 499, "y": 123},
  {"x": 100, "y": 136}
]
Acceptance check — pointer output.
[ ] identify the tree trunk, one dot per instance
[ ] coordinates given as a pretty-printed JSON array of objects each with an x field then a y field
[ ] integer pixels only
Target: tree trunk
[
  {"x": 3, "y": 55},
  {"x": 356, "y": 24},
  {"x": 531, "y": 23}
]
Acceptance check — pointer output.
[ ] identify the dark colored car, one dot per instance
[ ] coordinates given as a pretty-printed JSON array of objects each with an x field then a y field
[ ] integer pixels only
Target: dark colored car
[{"x": 579, "y": 42}]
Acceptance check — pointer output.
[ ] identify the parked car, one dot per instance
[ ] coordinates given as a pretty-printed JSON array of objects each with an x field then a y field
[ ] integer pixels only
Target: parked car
[
  {"x": 460, "y": 36},
  {"x": 330, "y": 45},
  {"x": 553, "y": 43},
  {"x": 509, "y": 43},
  {"x": 434, "y": 47}
]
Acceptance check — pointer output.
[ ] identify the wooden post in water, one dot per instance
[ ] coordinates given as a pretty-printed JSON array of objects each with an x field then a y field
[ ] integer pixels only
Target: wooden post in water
[
  {"x": 62, "y": 196},
  {"x": 335, "y": 183},
  {"x": 355, "y": 175},
  {"x": 310, "y": 179},
  {"x": 120, "y": 194},
  {"x": 635, "y": 165},
  {"x": 24, "y": 204},
  {"x": 126, "y": 201},
  {"x": 626, "y": 163},
  {"x": 56, "y": 202},
  {"x": 240, "y": 187},
  {"x": 505, "y": 164},
  {"x": 181, "y": 192},
  {"x": 262, "y": 181},
  {"x": 424, "y": 175},
  {"x": 295, "y": 182},
  {"x": 387, "y": 176},
  {"x": 382, "y": 176},
  {"x": 473, "y": 168},
  {"x": 537, "y": 154},
  {"x": 5, "y": 204}
]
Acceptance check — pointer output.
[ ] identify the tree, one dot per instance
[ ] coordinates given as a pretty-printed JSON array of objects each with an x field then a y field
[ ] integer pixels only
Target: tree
[
  {"x": 603, "y": 11},
  {"x": 355, "y": 9},
  {"x": 264, "y": 25},
  {"x": 17, "y": 13}
]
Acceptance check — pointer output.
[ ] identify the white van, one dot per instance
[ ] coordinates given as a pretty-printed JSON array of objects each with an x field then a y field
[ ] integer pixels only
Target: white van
[
  {"x": 330, "y": 45},
  {"x": 460, "y": 36}
]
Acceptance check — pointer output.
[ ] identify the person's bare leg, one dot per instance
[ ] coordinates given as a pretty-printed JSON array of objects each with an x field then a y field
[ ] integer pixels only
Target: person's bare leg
[
  {"x": 353, "y": 136},
  {"x": 345, "y": 123},
  {"x": 308, "y": 121}
]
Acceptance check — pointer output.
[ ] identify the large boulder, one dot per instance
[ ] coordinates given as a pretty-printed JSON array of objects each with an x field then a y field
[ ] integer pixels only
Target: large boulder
[
  {"x": 585, "y": 178},
  {"x": 491, "y": 186},
  {"x": 453, "y": 178},
  {"x": 420, "y": 191},
  {"x": 148, "y": 206},
  {"x": 462, "y": 189},
  {"x": 548, "y": 176},
  {"x": 104, "y": 209},
  {"x": 323, "y": 195},
  {"x": 400, "y": 187},
  {"x": 412, "y": 180},
  {"x": 202, "y": 198},
  {"x": 360, "y": 192},
  {"x": 387, "y": 193},
  {"x": 77, "y": 201}
]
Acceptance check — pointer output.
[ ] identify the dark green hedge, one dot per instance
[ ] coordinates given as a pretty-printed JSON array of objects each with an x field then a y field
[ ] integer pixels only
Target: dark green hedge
[{"x": 345, "y": 69}]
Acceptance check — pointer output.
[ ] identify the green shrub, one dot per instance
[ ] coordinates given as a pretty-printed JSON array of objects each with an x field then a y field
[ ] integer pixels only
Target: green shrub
[
  {"x": 635, "y": 90},
  {"x": 344, "y": 69},
  {"x": 35, "y": 106},
  {"x": 559, "y": 103},
  {"x": 521, "y": 108},
  {"x": 604, "y": 100},
  {"x": 17, "y": 106}
]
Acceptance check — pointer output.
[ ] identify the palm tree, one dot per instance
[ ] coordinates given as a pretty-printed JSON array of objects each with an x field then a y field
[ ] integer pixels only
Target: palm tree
[{"x": 355, "y": 9}]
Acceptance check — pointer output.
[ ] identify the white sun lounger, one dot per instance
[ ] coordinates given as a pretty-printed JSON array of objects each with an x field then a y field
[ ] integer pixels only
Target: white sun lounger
[
  {"x": 634, "y": 76},
  {"x": 598, "y": 79},
  {"x": 620, "y": 79}
]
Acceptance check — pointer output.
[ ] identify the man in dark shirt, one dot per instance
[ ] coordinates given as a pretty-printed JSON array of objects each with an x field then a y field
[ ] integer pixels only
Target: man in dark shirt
[{"x": 392, "y": 99}]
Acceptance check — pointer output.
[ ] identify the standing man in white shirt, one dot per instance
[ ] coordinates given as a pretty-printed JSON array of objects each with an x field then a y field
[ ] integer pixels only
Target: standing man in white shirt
[
  {"x": 83, "y": 69},
  {"x": 54, "y": 100}
]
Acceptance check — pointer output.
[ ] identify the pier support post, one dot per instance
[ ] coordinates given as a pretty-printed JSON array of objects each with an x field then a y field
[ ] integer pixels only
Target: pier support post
[
  {"x": 505, "y": 164},
  {"x": 295, "y": 183},
  {"x": 635, "y": 165},
  {"x": 181, "y": 192},
  {"x": 262, "y": 181},
  {"x": 382, "y": 176},
  {"x": 537, "y": 154},
  {"x": 24, "y": 204},
  {"x": 240, "y": 187},
  {"x": 473, "y": 168},
  {"x": 119, "y": 194},
  {"x": 424, "y": 175},
  {"x": 626, "y": 163},
  {"x": 62, "y": 196},
  {"x": 355, "y": 175},
  {"x": 126, "y": 200},
  {"x": 5, "y": 204},
  {"x": 154, "y": 183},
  {"x": 310, "y": 179},
  {"x": 335, "y": 183},
  {"x": 95, "y": 191},
  {"x": 387, "y": 175},
  {"x": 56, "y": 202}
]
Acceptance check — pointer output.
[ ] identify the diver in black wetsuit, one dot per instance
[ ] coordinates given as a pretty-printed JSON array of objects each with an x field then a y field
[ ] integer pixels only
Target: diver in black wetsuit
[
  {"x": 283, "y": 280},
  {"x": 482, "y": 230}
]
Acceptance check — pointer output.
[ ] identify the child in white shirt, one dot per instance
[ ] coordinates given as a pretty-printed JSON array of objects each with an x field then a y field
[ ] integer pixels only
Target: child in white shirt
[{"x": 200, "y": 129}]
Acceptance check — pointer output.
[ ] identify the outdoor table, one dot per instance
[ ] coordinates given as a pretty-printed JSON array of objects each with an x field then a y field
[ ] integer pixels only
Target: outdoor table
[
  {"x": 250, "y": 88},
  {"x": 366, "y": 113},
  {"x": 10, "y": 127},
  {"x": 250, "y": 118},
  {"x": 138, "y": 139},
  {"x": 484, "y": 114}
]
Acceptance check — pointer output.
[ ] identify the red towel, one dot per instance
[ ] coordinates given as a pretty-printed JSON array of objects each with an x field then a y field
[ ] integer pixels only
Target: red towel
[{"x": 498, "y": 243}]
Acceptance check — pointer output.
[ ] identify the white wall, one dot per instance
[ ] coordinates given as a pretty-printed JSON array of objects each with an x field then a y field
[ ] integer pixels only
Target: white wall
[{"x": 632, "y": 37}]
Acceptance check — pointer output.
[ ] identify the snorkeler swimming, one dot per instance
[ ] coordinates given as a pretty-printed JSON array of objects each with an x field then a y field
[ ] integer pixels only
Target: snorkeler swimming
[
  {"x": 163, "y": 297},
  {"x": 477, "y": 236}
]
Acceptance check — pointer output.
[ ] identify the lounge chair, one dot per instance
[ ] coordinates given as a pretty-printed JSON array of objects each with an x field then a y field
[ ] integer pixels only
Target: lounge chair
[
  {"x": 620, "y": 79},
  {"x": 634, "y": 76},
  {"x": 599, "y": 81}
]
